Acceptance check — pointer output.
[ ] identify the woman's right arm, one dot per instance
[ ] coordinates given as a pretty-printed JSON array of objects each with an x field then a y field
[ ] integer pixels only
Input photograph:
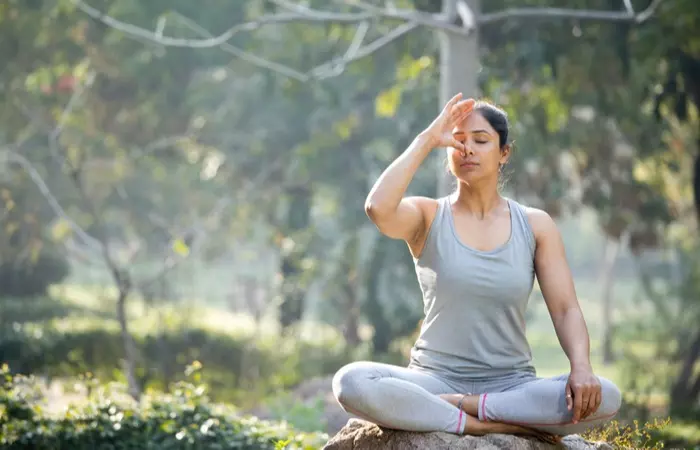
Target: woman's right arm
[
  {"x": 396, "y": 216},
  {"x": 402, "y": 217}
]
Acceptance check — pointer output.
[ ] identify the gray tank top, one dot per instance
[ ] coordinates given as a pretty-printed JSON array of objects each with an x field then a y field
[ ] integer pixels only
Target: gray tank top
[{"x": 474, "y": 301}]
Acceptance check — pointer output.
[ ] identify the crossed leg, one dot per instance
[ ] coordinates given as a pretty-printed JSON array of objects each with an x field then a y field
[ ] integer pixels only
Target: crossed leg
[
  {"x": 539, "y": 404},
  {"x": 397, "y": 397}
]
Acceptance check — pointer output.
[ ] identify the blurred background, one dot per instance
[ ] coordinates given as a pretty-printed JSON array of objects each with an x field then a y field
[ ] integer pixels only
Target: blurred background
[{"x": 182, "y": 188}]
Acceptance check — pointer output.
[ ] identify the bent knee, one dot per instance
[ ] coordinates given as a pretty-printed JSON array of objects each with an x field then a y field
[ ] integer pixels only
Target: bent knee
[
  {"x": 611, "y": 400},
  {"x": 346, "y": 384}
]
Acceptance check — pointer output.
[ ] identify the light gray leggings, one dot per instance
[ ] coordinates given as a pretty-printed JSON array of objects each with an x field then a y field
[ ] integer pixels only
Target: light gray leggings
[{"x": 407, "y": 399}]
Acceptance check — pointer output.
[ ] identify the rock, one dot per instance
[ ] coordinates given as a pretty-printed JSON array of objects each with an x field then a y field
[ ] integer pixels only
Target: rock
[{"x": 361, "y": 435}]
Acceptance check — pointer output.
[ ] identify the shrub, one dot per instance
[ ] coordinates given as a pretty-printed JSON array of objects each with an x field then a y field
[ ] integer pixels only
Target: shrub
[
  {"x": 182, "y": 419},
  {"x": 22, "y": 277},
  {"x": 633, "y": 435},
  {"x": 309, "y": 417},
  {"x": 239, "y": 368}
]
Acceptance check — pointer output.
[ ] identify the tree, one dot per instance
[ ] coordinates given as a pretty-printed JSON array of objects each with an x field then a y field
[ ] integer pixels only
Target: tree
[
  {"x": 458, "y": 23},
  {"x": 453, "y": 24},
  {"x": 87, "y": 110}
]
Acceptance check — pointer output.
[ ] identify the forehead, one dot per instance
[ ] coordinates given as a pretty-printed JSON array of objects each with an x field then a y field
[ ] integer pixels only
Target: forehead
[{"x": 475, "y": 121}]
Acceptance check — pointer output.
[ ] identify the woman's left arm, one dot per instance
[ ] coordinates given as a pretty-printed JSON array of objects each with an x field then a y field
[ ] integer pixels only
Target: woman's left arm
[{"x": 583, "y": 389}]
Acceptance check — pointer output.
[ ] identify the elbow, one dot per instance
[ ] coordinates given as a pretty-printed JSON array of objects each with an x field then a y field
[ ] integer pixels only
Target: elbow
[
  {"x": 374, "y": 212},
  {"x": 370, "y": 209}
]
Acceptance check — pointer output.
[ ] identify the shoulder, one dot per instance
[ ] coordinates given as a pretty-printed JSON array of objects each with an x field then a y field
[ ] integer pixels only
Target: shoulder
[
  {"x": 540, "y": 221},
  {"x": 543, "y": 225}
]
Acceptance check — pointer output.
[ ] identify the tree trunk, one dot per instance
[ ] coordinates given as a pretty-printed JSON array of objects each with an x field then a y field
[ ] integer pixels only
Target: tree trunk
[
  {"x": 372, "y": 308},
  {"x": 129, "y": 345},
  {"x": 607, "y": 283},
  {"x": 696, "y": 182},
  {"x": 350, "y": 291},
  {"x": 459, "y": 66},
  {"x": 685, "y": 390},
  {"x": 298, "y": 218}
]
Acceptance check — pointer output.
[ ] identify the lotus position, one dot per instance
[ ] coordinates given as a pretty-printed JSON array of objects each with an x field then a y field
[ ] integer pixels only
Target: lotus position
[{"x": 476, "y": 254}]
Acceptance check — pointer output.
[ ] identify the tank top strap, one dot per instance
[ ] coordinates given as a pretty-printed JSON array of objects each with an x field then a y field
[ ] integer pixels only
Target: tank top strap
[{"x": 521, "y": 225}]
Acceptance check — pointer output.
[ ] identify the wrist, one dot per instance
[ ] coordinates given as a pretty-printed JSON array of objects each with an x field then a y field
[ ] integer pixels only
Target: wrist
[
  {"x": 427, "y": 140},
  {"x": 583, "y": 364}
]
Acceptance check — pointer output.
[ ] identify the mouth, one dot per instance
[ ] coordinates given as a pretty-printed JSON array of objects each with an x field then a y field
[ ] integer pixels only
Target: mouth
[{"x": 468, "y": 164}]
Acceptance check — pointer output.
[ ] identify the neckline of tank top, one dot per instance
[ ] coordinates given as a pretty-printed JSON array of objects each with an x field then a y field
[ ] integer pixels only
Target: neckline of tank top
[{"x": 493, "y": 251}]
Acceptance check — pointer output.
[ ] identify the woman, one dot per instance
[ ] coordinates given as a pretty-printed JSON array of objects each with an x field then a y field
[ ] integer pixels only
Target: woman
[{"x": 476, "y": 254}]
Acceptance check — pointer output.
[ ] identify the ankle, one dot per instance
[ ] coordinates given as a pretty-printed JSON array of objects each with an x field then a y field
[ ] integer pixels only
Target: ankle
[{"x": 470, "y": 404}]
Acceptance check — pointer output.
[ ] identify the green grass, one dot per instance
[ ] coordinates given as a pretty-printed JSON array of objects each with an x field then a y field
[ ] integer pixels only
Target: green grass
[{"x": 95, "y": 302}]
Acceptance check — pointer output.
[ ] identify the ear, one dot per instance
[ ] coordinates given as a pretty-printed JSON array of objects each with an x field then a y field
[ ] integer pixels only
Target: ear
[{"x": 505, "y": 154}]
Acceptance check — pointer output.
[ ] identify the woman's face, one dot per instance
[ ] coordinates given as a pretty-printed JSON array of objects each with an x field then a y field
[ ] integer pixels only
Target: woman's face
[{"x": 483, "y": 156}]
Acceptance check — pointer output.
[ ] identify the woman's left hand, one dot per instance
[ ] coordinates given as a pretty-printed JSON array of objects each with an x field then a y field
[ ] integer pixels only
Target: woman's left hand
[{"x": 583, "y": 393}]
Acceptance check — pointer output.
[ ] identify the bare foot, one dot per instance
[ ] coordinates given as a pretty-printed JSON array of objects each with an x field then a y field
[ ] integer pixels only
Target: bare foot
[
  {"x": 474, "y": 426},
  {"x": 477, "y": 427}
]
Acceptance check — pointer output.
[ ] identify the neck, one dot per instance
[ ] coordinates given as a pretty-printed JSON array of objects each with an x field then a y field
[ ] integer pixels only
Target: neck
[{"x": 480, "y": 199}]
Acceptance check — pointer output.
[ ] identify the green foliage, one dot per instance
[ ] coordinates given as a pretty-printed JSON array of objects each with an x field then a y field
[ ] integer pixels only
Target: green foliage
[
  {"x": 183, "y": 418},
  {"x": 251, "y": 134},
  {"x": 680, "y": 434},
  {"x": 27, "y": 279},
  {"x": 29, "y": 262},
  {"x": 308, "y": 417},
  {"x": 240, "y": 367},
  {"x": 632, "y": 435}
]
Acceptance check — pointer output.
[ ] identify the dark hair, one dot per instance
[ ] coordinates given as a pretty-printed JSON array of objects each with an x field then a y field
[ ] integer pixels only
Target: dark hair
[{"x": 496, "y": 117}]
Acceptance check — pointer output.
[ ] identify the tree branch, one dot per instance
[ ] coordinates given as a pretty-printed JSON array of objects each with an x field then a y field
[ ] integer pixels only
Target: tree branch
[
  {"x": 435, "y": 21},
  {"x": 331, "y": 68},
  {"x": 75, "y": 96},
  {"x": 29, "y": 168},
  {"x": 357, "y": 40},
  {"x": 565, "y": 13},
  {"x": 222, "y": 38},
  {"x": 196, "y": 231},
  {"x": 300, "y": 13},
  {"x": 121, "y": 277},
  {"x": 336, "y": 66},
  {"x": 242, "y": 54}
]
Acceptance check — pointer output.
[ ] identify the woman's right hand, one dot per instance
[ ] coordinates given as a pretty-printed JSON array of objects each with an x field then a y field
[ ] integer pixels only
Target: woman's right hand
[{"x": 455, "y": 112}]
